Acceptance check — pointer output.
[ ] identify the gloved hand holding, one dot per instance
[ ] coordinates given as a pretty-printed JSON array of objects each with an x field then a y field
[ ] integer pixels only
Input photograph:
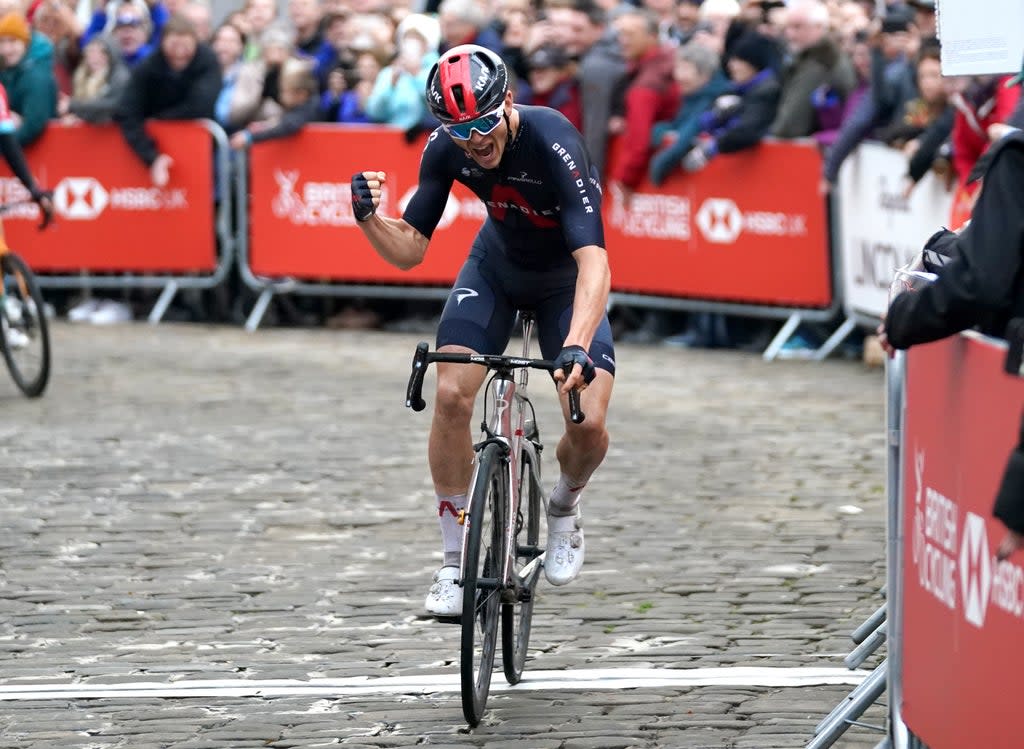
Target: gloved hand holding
[
  {"x": 565, "y": 366},
  {"x": 699, "y": 156},
  {"x": 366, "y": 192}
]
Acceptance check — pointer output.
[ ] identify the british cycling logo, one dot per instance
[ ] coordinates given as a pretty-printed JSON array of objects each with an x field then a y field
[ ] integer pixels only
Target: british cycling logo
[
  {"x": 975, "y": 569},
  {"x": 85, "y": 198},
  {"x": 934, "y": 540},
  {"x": 463, "y": 293},
  {"x": 319, "y": 204},
  {"x": 651, "y": 216}
]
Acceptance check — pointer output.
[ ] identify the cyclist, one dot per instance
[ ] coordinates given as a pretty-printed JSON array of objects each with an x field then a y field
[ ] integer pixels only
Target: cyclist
[
  {"x": 15, "y": 158},
  {"x": 541, "y": 248}
]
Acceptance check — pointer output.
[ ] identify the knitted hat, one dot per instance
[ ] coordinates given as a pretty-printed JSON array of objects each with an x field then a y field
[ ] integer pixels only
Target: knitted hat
[
  {"x": 758, "y": 50},
  {"x": 14, "y": 24}
]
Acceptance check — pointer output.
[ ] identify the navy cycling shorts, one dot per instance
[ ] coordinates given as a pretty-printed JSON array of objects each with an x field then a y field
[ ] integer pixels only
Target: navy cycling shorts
[{"x": 480, "y": 313}]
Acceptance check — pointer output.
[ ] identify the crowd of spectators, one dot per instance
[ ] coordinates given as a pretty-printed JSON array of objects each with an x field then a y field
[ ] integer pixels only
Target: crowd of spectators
[{"x": 681, "y": 80}]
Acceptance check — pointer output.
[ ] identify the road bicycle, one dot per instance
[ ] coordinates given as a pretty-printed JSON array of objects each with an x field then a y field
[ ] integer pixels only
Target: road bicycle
[
  {"x": 24, "y": 334},
  {"x": 502, "y": 555}
]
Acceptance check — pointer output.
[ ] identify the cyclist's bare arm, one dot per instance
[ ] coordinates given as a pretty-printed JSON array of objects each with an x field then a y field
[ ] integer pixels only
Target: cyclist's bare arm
[
  {"x": 395, "y": 240},
  {"x": 590, "y": 303}
]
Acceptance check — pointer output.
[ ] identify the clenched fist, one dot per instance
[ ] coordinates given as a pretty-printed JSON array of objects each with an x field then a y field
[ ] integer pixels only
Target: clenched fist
[{"x": 366, "y": 191}]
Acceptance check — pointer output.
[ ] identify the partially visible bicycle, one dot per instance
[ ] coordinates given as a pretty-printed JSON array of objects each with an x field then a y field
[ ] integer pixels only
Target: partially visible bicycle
[
  {"x": 24, "y": 335},
  {"x": 502, "y": 556}
]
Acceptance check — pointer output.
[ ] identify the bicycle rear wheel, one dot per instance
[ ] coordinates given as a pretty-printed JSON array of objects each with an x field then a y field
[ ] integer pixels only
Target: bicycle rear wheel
[
  {"x": 517, "y": 617},
  {"x": 24, "y": 335},
  {"x": 481, "y": 595}
]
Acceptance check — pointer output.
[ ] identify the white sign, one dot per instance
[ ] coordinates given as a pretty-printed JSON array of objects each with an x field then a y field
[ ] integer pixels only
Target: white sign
[
  {"x": 879, "y": 229},
  {"x": 981, "y": 36}
]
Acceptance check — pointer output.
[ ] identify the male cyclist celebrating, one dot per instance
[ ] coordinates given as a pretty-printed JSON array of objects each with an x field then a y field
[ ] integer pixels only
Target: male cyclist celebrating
[{"x": 541, "y": 248}]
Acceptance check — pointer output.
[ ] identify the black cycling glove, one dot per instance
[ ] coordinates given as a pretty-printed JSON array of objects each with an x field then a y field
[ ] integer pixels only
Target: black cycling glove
[
  {"x": 571, "y": 355},
  {"x": 362, "y": 199}
]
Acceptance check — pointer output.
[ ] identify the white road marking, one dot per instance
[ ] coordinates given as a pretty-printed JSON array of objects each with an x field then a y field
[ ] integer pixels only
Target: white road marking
[{"x": 574, "y": 680}]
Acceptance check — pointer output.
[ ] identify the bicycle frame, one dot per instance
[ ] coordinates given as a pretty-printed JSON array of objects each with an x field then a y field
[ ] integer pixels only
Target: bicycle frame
[{"x": 509, "y": 404}]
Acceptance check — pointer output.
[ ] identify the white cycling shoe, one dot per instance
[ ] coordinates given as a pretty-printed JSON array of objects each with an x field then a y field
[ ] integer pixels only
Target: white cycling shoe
[
  {"x": 445, "y": 596},
  {"x": 564, "y": 557}
]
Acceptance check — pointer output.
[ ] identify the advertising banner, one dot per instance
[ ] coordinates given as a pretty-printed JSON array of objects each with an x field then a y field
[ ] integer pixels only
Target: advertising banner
[
  {"x": 963, "y": 612},
  {"x": 729, "y": 233},
  {"x": 109, "y": 216},
  {"x": 879, "y": 229}
]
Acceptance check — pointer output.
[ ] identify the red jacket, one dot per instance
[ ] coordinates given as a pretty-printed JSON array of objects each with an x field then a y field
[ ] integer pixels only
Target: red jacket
[
  {"x": 970, "y": 130},
  {"x": 651, "y": 96}
]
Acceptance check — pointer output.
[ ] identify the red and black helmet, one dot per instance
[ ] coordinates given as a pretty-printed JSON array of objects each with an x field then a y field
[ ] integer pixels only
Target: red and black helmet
[{"x": 468, "y": 81}]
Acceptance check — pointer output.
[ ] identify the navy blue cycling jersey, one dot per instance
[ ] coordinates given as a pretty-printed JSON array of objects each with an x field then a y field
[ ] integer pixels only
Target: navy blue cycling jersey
[{"x": 543, "y": 200}]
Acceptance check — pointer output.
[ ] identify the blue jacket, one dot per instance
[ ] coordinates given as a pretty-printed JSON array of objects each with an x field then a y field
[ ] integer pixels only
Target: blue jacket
[{"x": 686, "y": 126}]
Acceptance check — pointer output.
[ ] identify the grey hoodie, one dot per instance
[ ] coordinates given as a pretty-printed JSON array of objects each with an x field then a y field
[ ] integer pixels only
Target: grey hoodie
[{"x": 100, "y": 109}]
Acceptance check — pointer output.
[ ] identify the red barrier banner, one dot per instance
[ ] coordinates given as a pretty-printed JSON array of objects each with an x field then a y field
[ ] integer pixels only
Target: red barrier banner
[
  {"x": 729, "y": 233},
  {"x": 963, "y": 612},
  {"x": 749, "y": 228},
  {"x": 109, "y": 216},
  {"x": 300, "y": 208}
]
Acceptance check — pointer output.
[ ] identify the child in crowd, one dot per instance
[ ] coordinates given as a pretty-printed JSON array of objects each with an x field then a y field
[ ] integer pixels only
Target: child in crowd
[{"x": 300, "y": 103}]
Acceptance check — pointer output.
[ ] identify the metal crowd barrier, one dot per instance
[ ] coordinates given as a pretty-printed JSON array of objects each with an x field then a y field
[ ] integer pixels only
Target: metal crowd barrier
[{"x": 170, "y": 283}]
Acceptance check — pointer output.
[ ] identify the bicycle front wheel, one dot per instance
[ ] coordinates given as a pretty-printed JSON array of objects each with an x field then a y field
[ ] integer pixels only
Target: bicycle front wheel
[
  {"x": 517, "y": 616},
  {"x": 24, "y": 336},
  {"x": 481, "y": 594}
]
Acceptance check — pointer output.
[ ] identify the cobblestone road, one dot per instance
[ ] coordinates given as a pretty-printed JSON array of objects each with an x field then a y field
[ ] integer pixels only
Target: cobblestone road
[{"x": 201, "y": 504}]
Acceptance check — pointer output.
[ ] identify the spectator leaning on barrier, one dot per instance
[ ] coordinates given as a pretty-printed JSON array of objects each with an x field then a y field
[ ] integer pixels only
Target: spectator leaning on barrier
[
  {"x": 741, "y": 118},
  {"x": 651, "y": 95},
  {"x": 892, "y": 85},
  {"x": 830, "y": 110},
  {"x": 815, "y": 61},
  {"x": 699, "y": 74},
  {"x": 97, "y": 84},
  {"x": 256, "y": 89},
  {"x": 180, "y": 81},
  {"x": 919, "y": 113},
  {"x": 984, "y": 101},
  {"x": 299, "y": 97},
  {"x": 30, "y": 83}
]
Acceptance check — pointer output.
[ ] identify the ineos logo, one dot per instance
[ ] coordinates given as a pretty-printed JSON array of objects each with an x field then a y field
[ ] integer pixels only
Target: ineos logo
[
  {"x": 975, "y": 569},
  {"x": 82, "y": 198},
  {"x": 720, "y": 220}
]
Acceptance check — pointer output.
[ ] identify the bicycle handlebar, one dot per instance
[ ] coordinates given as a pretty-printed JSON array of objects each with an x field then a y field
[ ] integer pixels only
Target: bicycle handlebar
[{"x": 423, "y": 357}]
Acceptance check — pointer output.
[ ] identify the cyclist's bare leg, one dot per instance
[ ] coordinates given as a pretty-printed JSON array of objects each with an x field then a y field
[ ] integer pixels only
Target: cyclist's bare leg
[
  {"x": 450, "y": 447},
  {"x": 583, "y": 446}
]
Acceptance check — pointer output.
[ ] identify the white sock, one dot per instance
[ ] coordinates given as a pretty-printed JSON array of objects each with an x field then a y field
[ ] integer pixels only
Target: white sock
[
  {"x": 565, "y": 496},
  {"x": 448, "y": 511}
]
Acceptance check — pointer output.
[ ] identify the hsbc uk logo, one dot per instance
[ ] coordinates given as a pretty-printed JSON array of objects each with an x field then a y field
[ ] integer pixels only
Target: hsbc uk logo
[
  {"x": 975, "y": 569},
  {"x": 81, "y": 198},
  {"x": 721, "y": 221},
  {"x": 85, "y": 198}
]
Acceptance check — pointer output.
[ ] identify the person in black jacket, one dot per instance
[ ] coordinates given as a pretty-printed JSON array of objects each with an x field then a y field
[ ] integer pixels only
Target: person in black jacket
[
  {"x": 983, "y": 285},
  {"x": 180, "y": 81},
  {"x": 741, "y": 118}
]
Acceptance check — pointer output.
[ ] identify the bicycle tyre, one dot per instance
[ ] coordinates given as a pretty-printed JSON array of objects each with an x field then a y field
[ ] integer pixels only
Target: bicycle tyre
[
  {"x": 18, "y": 280},
  {"x": 480, "y": 593},
  {"x": 517, "y": 617}
]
